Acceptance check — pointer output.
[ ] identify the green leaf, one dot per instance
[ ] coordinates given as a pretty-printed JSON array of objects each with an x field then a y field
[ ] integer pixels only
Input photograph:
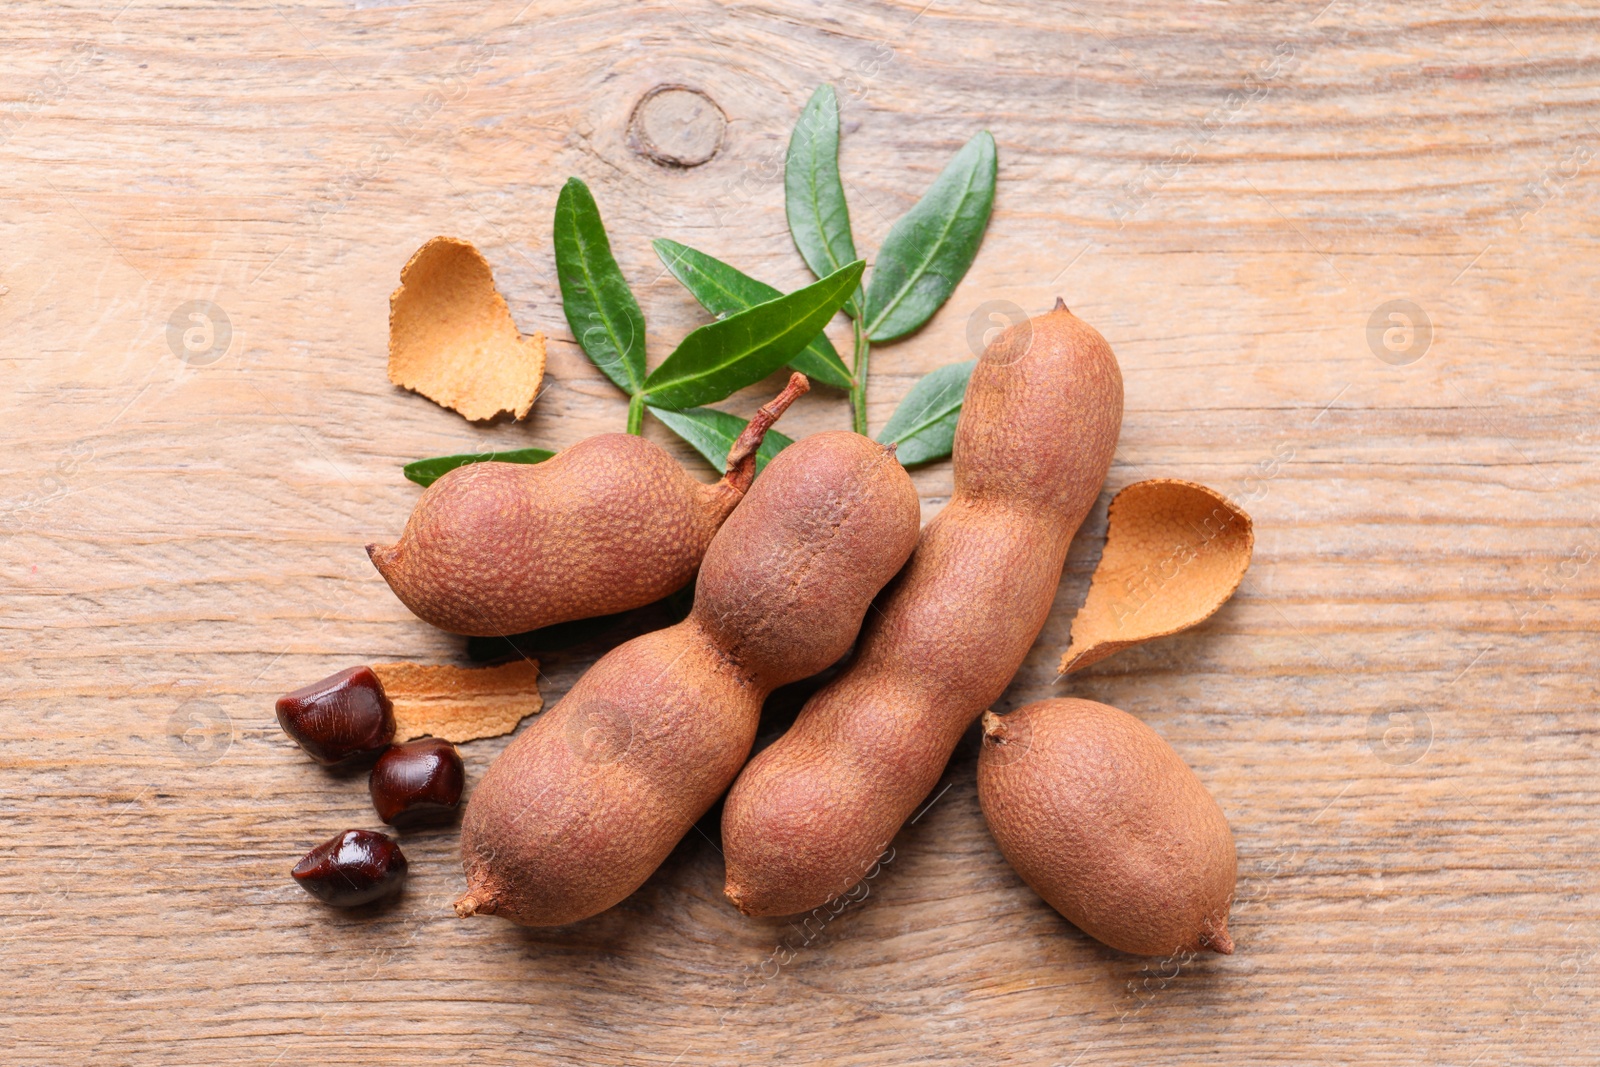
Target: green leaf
[
  {"x": 819, "y": 218},
  {"x": 724, "y": 356},
  {"x": 712, "y": 433},
  {"x": 604, "y": 317},
  {"x": 427, "y": 471},
  {"x": 723, "y": 290},
  {"x": 923, "y": 427},
  {"x": 931, "y": 246}
]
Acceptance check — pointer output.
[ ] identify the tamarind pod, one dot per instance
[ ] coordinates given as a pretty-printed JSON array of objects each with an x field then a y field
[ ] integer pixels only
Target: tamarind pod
[
  {"x": 1108, "y": 824},
  {"x": 587, "y": 801},
  {"x": 1033, "y": 444},
  {"x": 610, "y": 524}
]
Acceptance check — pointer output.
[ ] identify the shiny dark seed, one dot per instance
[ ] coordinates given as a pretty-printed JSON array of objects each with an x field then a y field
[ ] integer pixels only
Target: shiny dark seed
[
  {"x": 344, "y": 716},
  {"x": 419, "y": 779},
  {"x": 352, "y": 868}
]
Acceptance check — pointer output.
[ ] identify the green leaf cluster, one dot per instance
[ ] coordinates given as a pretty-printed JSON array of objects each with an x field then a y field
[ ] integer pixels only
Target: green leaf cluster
[
  {"x": 758, "y": 329},
  {"x": 924, "y": 257}
]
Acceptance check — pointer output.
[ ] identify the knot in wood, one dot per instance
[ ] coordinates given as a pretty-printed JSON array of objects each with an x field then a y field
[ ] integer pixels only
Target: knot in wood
[{"x": 676, "y": 126}]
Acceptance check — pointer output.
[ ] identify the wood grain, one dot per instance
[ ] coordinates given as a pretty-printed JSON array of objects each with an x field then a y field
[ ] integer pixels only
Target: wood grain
[{"x": 1396, "y": 712}]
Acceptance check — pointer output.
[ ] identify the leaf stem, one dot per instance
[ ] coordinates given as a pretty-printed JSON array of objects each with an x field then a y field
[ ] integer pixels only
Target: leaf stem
[
  {"x": 858, "y": 391},
  {"x": 636, "y": 414}
]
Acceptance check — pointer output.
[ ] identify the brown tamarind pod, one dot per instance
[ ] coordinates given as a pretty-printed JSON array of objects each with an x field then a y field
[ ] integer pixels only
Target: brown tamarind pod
[
  {"x": 610, "y": 524},
  {"x": 1108, "y": 824},
  {"x": 589, "y": 799},
  {"x": 814, "y": 810}
]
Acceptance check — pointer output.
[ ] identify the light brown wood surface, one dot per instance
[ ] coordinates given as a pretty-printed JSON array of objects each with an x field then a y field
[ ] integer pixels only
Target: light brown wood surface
[{"x": 1397, "y": 711}]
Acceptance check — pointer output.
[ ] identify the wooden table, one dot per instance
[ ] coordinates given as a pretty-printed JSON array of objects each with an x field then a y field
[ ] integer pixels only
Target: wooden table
[{"x": 1396, "y": 711}]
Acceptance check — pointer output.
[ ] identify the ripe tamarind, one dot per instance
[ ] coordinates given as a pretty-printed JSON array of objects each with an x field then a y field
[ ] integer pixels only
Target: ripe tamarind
[
  {"x": 588, "y": 801},
  {"x": 612, "y": 523},
  {"x": 1035, "y": 438},
  {"x": 1108, "y": 824}
]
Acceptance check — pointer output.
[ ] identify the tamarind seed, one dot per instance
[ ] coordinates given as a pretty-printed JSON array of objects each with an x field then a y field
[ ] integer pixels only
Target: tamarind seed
[
  {"x": 355, "y": 867},
  {"x": 416, "y": 780},
  {"x": 343, "y": 717}
]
